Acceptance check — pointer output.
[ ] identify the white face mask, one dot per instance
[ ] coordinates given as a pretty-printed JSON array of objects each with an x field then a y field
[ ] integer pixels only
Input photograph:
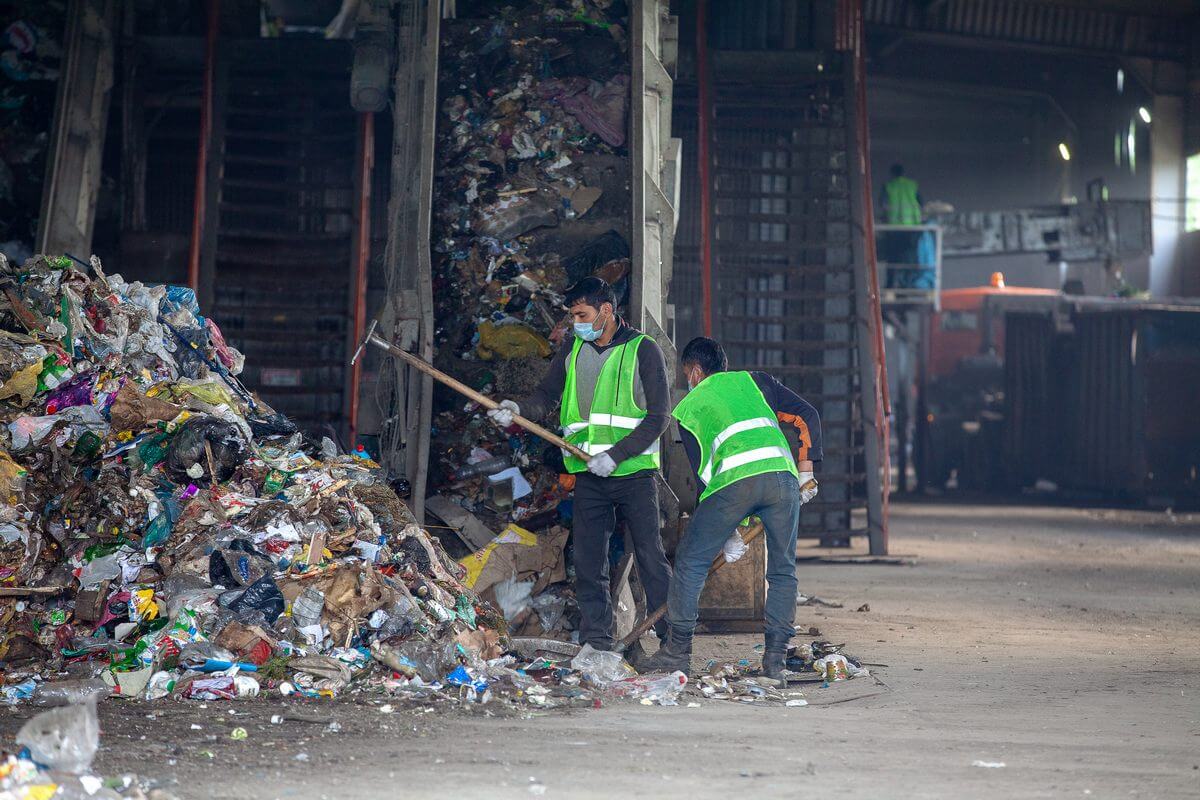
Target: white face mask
[{"x": 699, "y": 378}]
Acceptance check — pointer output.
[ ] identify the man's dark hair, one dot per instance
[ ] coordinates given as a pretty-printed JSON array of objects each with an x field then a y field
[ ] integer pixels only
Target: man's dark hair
[
  {"x": 897, "y": 170},
  {"x": 705, "y": 353},
  {"x": 592, "y": 291}
]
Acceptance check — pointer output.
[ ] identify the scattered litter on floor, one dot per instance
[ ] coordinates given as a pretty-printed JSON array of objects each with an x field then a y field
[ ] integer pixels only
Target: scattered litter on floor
[{"x": 804, "y": 600}]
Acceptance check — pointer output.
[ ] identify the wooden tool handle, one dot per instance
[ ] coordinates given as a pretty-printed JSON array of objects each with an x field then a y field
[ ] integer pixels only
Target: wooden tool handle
[
  {"x": 749, "y": 536},
  {"x": 483, "y": 400}
]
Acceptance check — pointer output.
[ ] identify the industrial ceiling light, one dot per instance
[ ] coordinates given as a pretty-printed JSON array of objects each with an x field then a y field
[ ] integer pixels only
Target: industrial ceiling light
[
  {"x": 1120, "y": 81},
  {"x": 1064, "y": 151},
  {"x": 1131, "y": 144},
  {"x": 1144, "y": 113}
]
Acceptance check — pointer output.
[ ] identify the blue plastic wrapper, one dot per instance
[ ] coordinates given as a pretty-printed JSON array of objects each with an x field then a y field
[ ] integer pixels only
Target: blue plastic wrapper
[
  {"x": 15, "y": 693},
  {"x": 183, "y": 297},
  {"x": 461, "y": 676}
]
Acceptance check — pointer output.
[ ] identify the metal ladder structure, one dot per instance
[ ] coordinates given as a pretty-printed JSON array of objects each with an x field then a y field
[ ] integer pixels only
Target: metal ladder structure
[
  {"x": 285, "y": 207},
  {"x": 793, "y": 290}
]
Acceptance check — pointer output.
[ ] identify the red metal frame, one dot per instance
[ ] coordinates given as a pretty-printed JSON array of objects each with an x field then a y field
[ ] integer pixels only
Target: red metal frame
[
  {"x": 850, "y": 33},
  {"x": 366, "y": 162},
  {"x": 199, "y": 204}
]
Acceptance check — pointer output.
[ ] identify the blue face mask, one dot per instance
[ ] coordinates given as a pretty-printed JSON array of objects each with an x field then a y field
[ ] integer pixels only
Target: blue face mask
[{"x": 587, "y": 330}]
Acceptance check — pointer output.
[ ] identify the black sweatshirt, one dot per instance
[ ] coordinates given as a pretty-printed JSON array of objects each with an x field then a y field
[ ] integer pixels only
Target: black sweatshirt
[
  {"x": 652, "y": 375},
  {"x": 789, "y": 407}
]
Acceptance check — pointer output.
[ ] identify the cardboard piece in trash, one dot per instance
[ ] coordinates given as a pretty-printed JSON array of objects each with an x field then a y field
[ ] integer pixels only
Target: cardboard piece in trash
[
  {"x": 89, "y": 603},
  {"x": 473, "y": 533},
  {"x": 132, "y": 410},
  {"x": 520, "y": 554}
]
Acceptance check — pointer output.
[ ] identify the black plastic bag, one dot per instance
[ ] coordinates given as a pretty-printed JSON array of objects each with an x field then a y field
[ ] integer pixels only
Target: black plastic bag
[
  {"x": 595, "y": 254},
  {"x": 263, "y": 595},
  {"x": 187, "y": 451},
  {"x": 274, "y": 425},
  {"x": 237, "y": 564}
]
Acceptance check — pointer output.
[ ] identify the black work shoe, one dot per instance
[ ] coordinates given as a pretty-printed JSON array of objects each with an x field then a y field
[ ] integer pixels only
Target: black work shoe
[
  {"x": 774, "y": 658},
  {"x": 637, "y": 656},
  {"x": 675, "y": 654}
]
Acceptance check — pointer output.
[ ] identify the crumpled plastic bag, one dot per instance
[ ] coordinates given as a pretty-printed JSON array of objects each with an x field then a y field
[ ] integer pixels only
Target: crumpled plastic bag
[
  {"x": 602, "y": 666},
  {"x": 238, "y": 564},
  {"x": 187, "y": 459},
  {"x": 601, "y": 108},
  {"x": 64, "y": 738},
  {"x": 510, "y": 341},
  {"x": 509, "y": 217},
  {"x": 263, "y": 596},
  {"x": 25, "y": 431},
  {"x": 23, "y": 385},
  {"x": 320, "y": 673},
  {"x": 13, "y": 478},
  {"x": 734, "y": 548},
  {"x": 233, "y": 360}
]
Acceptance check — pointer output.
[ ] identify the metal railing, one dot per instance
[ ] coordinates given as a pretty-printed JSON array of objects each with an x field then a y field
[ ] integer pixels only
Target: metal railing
[{"x": 910, "y": 264}]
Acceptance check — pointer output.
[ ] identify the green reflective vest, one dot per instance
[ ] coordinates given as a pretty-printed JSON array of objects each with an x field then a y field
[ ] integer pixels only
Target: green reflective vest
[
  {"x": 613, "y": 414},
  {"x": 902, "y": 205},
  {"x": 737, "y": 431}
]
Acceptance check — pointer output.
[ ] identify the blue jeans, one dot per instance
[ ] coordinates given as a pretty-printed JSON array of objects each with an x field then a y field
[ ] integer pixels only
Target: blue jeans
[{"x": 774, "y": 497}]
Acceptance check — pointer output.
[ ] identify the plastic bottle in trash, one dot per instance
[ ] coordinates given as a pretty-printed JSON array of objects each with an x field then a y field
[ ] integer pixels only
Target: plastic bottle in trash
[
  {"x": 306, "y": 610},
  {"x": 68, "y": 693},
  {"x": 662, "y": 690},
  {"x": 487, "y": 467}
]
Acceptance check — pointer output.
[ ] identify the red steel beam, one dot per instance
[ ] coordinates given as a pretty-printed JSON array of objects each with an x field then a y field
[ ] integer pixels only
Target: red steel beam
[
  {"x": 853, "y": 14},
  {"x": 366, "y": 162},
  {"x": 199, "y": 209}
]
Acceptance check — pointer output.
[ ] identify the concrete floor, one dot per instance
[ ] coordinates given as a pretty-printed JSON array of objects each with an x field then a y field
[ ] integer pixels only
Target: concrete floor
[{"x": 1061, "y": 642}]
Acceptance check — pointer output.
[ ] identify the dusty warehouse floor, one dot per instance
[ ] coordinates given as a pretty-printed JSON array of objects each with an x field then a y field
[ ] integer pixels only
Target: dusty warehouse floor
[{"x": 1060, "y": 642}]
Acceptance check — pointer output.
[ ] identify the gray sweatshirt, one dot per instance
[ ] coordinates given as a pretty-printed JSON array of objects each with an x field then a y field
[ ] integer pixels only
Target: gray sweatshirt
[{"x": 650, "y": 388}]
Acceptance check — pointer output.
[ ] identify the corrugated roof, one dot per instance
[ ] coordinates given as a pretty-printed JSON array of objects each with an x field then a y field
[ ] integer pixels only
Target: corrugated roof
[{"x": 1143, "y": 29}]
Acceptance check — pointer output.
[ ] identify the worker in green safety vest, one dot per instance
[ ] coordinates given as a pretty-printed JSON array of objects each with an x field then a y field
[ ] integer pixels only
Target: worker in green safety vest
[
  {"x": 901, "y": 199},
  {"x": 730, "y": 426},
  {"x": 901, "y": 203},
  {"x": 610, "y": 383}
]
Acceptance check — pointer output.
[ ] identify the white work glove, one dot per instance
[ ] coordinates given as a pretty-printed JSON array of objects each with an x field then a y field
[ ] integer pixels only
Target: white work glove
[
  {"x": 734, "y": 548},
  {"x": 808, "y": 487},
  {"x": 503, "y": 416},
  {"x": 601, "y": 465}
]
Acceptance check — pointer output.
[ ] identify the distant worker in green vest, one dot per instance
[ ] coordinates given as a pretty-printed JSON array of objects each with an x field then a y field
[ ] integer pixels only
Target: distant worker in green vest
[
  {"x": 729, "y": 423},
  {"x": 901, "y": 204},
  {"x": 610, "y": 383},
  {"x": 901, "y": 199}
]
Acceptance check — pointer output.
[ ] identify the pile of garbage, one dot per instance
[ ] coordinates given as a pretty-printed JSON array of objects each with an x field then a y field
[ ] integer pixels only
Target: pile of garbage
[
  {"x": 163, "y": 533},
  {"x": 532, "y": 194}
]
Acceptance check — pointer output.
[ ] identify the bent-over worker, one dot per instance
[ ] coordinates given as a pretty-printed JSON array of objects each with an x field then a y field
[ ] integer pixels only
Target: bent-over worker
[
  {"x": 730, "y": 426},
  {"x": 610, "y": 382}
]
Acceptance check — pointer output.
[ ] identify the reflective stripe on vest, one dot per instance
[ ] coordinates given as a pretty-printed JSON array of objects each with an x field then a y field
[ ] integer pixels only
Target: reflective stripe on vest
[
  {"x": 736, "y": 430},
  {"x": 614, "y": 411}
]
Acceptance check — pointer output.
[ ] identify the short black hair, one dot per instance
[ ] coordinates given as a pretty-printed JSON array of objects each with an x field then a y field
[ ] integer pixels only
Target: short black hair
[
  {"x": 592, "y": 291},
  {"x": 897, "y": 170},
  {"x": 705, "y": 353}
]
